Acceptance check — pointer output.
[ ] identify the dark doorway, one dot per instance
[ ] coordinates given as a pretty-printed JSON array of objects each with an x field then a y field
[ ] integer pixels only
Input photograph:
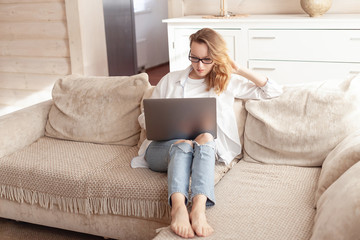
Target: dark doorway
[{"x": 120, "y": 37}]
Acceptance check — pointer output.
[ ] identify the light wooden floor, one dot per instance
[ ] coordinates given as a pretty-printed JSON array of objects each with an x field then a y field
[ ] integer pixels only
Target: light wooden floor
[{"x": 12, "y": 230}]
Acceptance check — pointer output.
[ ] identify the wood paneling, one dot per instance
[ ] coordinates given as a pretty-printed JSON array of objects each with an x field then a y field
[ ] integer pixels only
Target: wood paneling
[
  {"x": 27, "y": 81},
  {"x": 34, "y": 50},
  {"x": 20, "y": 12},
  {"x": 57, "y": 66},
  {"x": 33, "y": 30},
  {"x": 19, "y": 97},
  {"x": 34, "y": 47},
  {"x": 43, "y": 40},
  {"x": 29, "y": 1}
]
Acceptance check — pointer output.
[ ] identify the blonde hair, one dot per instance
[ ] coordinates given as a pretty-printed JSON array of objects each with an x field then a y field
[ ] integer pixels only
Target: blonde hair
[{"x": 219, "y": 76}]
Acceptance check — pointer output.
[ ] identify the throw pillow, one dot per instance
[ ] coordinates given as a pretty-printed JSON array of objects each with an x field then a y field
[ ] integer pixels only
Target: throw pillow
[
  {"x": 240, "y": 115},
  {"x": 304, "y": 124},
  {"x": 337, "y": 215},
  {"x": 97, "y": 109},
  {"x": 345, "y": 155}
]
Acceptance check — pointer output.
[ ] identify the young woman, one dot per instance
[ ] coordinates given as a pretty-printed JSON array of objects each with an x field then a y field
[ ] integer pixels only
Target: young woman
[{"x": 211, "y": 74}]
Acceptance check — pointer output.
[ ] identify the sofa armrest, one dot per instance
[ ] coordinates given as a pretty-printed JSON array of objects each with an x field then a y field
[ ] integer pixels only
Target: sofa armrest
[
  {"x": 340, "y": 159},
  {"x": 21, "y": 128}
]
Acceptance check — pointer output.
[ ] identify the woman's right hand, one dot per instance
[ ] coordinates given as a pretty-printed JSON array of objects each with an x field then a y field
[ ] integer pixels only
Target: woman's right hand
[{"x": 234, "y": 66}]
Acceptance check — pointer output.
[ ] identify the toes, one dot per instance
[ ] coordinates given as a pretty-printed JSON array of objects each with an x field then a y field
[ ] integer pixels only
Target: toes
[
  {"x": 189, "y": 233},
  {"x": 185, "y": 232},
  {"x": 204, "y": 231},
  {"x": 201, "y": 232}
]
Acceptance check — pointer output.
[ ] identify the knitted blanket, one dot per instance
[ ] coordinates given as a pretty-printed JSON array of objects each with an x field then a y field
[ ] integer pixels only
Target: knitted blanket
[{"x": 85, "y": 178}]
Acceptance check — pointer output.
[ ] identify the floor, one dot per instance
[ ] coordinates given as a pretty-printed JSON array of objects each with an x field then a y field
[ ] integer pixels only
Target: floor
[
  {"x": 157, "y": 72},
  {"x": 12, "y": 230}
]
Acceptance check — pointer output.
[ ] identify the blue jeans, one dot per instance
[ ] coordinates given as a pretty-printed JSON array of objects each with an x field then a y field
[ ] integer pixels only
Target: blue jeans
[{"x": 182, "y": 161}]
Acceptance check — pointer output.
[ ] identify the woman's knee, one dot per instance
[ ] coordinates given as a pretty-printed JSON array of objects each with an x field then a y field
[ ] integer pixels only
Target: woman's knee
[
  {"x": 185, "y": 141},
  {"x": 157, "y": 155},
  {"x": 204, "y": 138}
]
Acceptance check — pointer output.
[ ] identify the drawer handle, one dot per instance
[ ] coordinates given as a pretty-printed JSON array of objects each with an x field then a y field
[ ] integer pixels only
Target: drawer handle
[
  {"x": 264, "y": 68},
  {"x": 354, "y": 72},
  {"x": 264, "y": 37},
  {"x": 355, "y": 38}
]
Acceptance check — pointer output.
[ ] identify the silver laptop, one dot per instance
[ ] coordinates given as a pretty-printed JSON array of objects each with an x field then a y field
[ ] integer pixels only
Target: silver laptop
[{"x": 179, "y": 118}]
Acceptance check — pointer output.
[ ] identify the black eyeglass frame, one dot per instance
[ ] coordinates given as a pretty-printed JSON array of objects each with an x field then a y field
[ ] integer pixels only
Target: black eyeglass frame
[{"x": 191, "y": 59}]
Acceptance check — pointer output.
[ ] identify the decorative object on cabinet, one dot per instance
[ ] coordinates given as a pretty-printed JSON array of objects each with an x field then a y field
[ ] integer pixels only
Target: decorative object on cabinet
[
  {"x": 224, "y": 13},
  {"x": 227, "y": 16},
  {"x": 315, "y": 8},
  {"x": 223, "y": 8}
]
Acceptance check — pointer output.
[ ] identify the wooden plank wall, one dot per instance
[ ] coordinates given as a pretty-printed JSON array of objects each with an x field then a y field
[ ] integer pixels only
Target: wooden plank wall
[{"x": 34, "y": 51}]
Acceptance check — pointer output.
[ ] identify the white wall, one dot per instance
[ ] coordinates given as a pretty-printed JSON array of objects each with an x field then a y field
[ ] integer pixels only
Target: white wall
[
  {"x": 178, "y": 8},
  {"x": 151, "y": 34},
  {"x": 85, "y": 20}
]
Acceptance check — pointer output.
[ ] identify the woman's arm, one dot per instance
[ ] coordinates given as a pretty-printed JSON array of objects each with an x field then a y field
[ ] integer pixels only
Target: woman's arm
[
  {"x": 156, "y": 92},
  {"x": 257, "y": 87},
  {"x": 258, "y": 79}
]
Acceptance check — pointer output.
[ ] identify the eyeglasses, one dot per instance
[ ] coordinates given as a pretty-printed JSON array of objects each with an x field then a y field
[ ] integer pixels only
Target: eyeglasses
[{"x": 203, "y": 60}]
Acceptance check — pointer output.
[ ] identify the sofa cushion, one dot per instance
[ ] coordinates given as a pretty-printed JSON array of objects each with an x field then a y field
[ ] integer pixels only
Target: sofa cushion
[
  {"x": 339, "y": 160},
  {"x": 338, "y": 209},
  {"x": 258, "y": 201},
  {"x": 240, "y": 115},
  {"x": 86, "y": 178},
  {"x": 147, "y": 94},
  {"x": 304, "y": 124},
  {"x": 97, "y": 109}
]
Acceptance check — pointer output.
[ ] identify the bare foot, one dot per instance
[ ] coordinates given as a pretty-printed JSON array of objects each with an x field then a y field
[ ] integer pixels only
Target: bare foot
[
  {"x": 200, "y": 224},
  {"x": 180, "y": 222}
]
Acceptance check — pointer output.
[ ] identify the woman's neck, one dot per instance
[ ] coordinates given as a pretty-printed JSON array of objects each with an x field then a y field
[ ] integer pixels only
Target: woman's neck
[{"x": 193, "y": 75}]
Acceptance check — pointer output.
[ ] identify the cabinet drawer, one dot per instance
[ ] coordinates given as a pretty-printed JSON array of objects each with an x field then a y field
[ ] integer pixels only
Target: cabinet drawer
[
  {"x": 285, "y": 72},
  {"x": 305, "y": 45}
]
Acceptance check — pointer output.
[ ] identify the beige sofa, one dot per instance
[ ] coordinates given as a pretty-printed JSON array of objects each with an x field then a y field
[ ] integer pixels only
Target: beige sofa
[{"x": 66, "y": 163}]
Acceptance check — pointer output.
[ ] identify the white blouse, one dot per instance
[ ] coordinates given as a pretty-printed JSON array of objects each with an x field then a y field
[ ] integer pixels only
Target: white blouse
[{"x": 179, "y": 85}]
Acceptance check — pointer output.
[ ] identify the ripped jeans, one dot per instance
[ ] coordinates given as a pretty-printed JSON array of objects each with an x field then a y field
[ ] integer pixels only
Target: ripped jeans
[{"x": 181, "y": 161}]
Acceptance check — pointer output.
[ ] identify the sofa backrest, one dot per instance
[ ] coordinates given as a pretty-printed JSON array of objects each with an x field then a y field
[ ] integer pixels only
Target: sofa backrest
[
  {"x": 240, "y": 114},
  {"x": 304, "y": 124},
  {"x": 97, "y": 109}
]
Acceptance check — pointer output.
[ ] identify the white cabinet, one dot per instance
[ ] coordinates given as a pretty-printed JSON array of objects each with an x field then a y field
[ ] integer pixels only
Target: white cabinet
[
  {"x": 293, "y": 72},
  {"x": 288, "y": 48},
  {"x": 305, "y": 45},
  {"x": 293, "y": 56}
]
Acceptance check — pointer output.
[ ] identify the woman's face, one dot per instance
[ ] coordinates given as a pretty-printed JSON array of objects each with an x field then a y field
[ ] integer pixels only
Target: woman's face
[{"x": 200, "y": 69}]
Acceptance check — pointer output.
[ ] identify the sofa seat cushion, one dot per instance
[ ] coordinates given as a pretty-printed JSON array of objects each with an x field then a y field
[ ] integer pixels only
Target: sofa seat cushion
[
  {"x": 85, "y": 178},
  {"x": 257, "y": 201}
]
